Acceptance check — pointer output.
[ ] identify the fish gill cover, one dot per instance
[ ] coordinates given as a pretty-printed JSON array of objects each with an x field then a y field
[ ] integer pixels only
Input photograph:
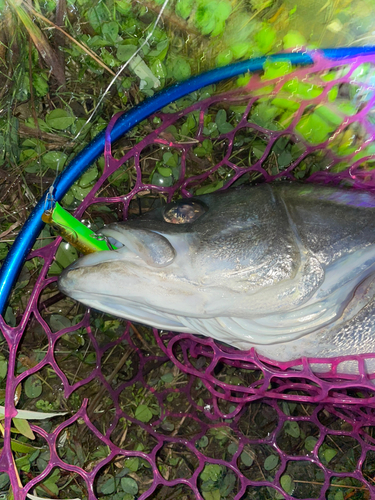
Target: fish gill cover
[{"x": 173, "y": 415}]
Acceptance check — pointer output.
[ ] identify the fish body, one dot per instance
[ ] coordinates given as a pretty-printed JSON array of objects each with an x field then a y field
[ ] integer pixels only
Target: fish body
[{"x": 283, "y": 267}]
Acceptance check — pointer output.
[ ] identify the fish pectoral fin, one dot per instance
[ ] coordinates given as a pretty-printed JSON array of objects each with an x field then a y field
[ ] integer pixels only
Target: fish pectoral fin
[{"x": 151, "y": 247}]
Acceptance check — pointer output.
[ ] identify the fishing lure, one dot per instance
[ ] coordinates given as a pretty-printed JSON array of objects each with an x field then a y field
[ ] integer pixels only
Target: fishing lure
[{"x": 74, "y": 232}]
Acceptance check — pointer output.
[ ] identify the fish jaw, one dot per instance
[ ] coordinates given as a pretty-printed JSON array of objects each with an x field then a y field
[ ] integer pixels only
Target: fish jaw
[{"x": 138, "y": 283}]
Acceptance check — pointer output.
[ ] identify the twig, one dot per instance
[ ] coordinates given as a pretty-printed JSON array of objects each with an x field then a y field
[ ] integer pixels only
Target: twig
[
  {"x": 141, "y": 339},
  {"x": 331, "y": 485},
  {"x": 81, "y": 45},
  {"x": 109, "y": 379},
  {"x": 11, "y": 228}
]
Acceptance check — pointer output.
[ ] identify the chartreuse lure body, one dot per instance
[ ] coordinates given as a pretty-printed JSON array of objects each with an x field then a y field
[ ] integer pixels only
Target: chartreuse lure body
[{"x": 74, "y": 232}]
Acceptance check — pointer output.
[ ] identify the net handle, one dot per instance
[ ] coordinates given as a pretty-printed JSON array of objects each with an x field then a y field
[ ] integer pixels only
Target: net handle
[{"x": 26, "y": 238}]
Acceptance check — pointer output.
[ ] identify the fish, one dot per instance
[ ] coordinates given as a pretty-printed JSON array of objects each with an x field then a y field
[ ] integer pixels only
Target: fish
[{"x": 285, "y": 267}]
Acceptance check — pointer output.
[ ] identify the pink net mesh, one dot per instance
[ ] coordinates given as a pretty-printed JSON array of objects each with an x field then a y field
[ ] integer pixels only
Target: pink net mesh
[{"x": 177, "y": 416}]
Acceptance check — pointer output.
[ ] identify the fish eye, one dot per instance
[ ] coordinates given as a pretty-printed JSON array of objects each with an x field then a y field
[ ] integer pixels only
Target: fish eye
[{"x": 184, "y": 211}]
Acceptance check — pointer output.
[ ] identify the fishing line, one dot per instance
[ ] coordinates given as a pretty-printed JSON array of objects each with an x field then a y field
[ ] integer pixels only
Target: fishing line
[
  {"x": 49, "y": 196},
  {"x": 126, "y": 64}
]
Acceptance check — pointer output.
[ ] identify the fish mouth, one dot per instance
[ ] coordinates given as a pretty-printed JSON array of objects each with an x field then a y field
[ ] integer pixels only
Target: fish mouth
[
  {"x": 138, "y": 256},
  {"x": 150, "y": 246},
  {"x": 142, "y": 248}
]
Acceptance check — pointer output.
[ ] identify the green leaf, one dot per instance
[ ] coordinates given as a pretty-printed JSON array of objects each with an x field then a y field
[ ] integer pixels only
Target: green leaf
[
  {"x": 271, "y": 462},
  {"x": 109, "y": 486},
  {"x": 66, "y": 255},
  {"x": 164, "y": 171},
  {"x": 59, "y": 119},
  {"x": 110, "y": 31},
  {"x": 28, "y": 154},
  {"x": 98, "y": 15},
  {"x": 210, "y": 188},
  {"x": 79, "y": 192},
  {"x": 181, "y": 69},
  {"x": 90, "y": 359},
  {"x": 3, "y": 368},
  {"x": 170, "y": 159},
  {"x": 243, "y": 80},
  {"x": 21, "y": 447},
  {"x": 23, "y": 427},
  {"x": 167, "y": 378},
  {"x": 40, "y": 84},
  {"x": 202, "y": 442},
  {"x": 247, "y": 459},
  {"x": 89, "y": 177},
  {"x": 9, "y": 317},
  {"x": 33, "y": 387},
  {"x": 4, "y": 481},
  {"x": 184, "y": 8},
  {"x": 211, "y": 495},
  {"x": 285, "y": 103},
  {"x": 23, "y": 463},
  {"x": 227, "y": 484},
  {"x": 159, "y": 69},
  {"x": 225, "y": 57},
  {"x": 287, "y": 484},
  {"x": 97, "y": 41},
  {"x": 143, "y": 413},
  {"x": 240, "y": 49},
  {"x": 221, "y": 9},
  {"x": 34, "y": 143},
  {"x": 51, "y": 485},
  {"x": 29, "y": 122},
  {"x": 265, "y": 38},
  {"x": 301, "y": 89},
  {"x": 225, "y": 128},
  {"x": 160, "y": 180},
  {"x": 294, "y": 39},
  {"x": 109, "y": 59},
  {"x": 221, "y": 117},
  {"x": 204, "y": 149},
  {"x": 310, "y": 443},
  {"x": 3, "y": 250},
  {"x": 57, "y": 322},
  {"x": 314, "y": 128},
  {"x": 55, "y": 160},
  {"x": 292, "y": 428},
  {"x": 212, "y": 472},
  {"x": 347, "y": 108},
  {"x": 123, "y": 6},
  {"x": 124, "y": 52},
  {"x": 132, "y": 464},
  {"x": 232, "y": 448},
  {"x": 129, "y": 485},
  {"x": 328, "y": 454},
  {"x": 275, "y": 69},
  {"x": 160, "y": 51}
]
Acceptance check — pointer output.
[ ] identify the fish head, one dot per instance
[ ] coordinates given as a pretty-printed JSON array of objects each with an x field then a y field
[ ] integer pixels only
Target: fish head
[{"x": 196, "y": 257}]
